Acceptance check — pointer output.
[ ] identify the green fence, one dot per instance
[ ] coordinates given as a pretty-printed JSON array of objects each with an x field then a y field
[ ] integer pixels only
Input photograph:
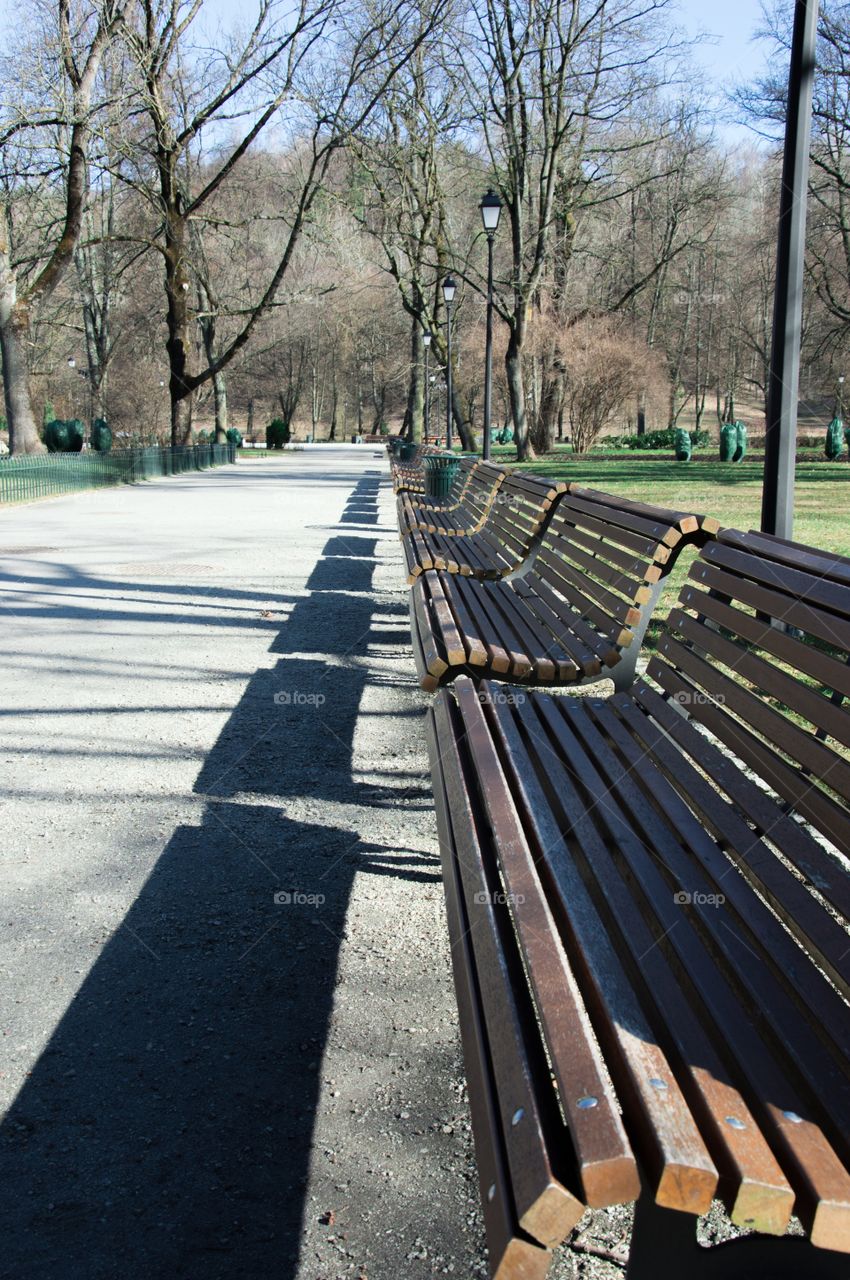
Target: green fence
[{"x": 41, "y": 474}]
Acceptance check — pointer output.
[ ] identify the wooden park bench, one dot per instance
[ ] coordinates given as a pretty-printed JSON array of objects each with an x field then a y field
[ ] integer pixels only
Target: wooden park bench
[
  {"x": 575, "y": 611},
  {"x": 499, "y": 543},
  {"x": 410, "y": 505},
  {"x": 465, "y": 515},
  {"x": 648, "y": 900},
  {"x": 410, "y": 473}
]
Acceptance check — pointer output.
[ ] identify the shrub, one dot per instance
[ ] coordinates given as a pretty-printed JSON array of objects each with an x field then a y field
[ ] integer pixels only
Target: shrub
[
  {"x": 48, "y": 414},
  {"x": 658, "y": 441},
  {"x": 101, "y": 436},
  {"x": 234, "y": 436},
  {"x": 64, "y": 437},
  {"x": 277, "y": 434},
  {"x": 834, "y": 446}
]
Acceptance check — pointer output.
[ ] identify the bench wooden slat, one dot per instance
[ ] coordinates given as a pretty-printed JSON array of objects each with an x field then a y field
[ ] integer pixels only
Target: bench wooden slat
[
  {"x": 671, "y": 1149},
  {"x": 795, "y": 554},
  {"x": 816, "y": 589},
  {"x": 755, "y": 749},
  {"x": 533, "y": 1134},
  {"x": 606, "y": 1164},
  {"x": 512, "y": 1256},
  {"x": 753, "y": 805}
]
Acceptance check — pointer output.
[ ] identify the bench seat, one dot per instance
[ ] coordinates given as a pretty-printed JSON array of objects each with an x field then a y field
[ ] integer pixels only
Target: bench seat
[
  {"x": 518, "y": 513},
  {"x": 648, "y": 899},
  {"x": 576, "y": 610}
]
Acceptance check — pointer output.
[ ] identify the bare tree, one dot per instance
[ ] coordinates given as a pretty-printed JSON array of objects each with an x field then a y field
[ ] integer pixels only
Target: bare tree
[
  {"x": 45, "y": 144},
  {"x": 547, "y": 80},
  {"x": 329, "y": 63}
]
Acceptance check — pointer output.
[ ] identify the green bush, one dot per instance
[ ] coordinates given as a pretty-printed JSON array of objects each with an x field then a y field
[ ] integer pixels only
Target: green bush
[
  {"x": 234, "y": 436},
  {"x": 657, "y": 441},
  {"x": 48, "y": 414},
  {"x": 683, "y": 445},
  {"x": 834, "y": 446},
  {"x": 741, "y": 443},
  {"x": 64, "y": 436},
  {"x": 277, "y": 434},
  {"x": 101, "y": 435}
]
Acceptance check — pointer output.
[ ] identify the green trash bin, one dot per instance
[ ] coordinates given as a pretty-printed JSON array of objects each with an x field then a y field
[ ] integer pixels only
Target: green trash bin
[
  {"x": 440, "y": 472},
  {"x": 407, "y": 451}
]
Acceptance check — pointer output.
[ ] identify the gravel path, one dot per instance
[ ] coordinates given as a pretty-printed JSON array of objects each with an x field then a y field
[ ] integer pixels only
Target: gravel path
[{"x": 229, "y": 1041}]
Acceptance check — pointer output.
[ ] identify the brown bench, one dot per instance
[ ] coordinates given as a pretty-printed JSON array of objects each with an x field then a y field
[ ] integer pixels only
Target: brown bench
[
  {"x": 410, "y": 474},
  {"x": 575, "y": 611},
  {"x": 515, "y": 518},
  {"x": 648, "y": 900},
  {"x": 466, "y": 515}
]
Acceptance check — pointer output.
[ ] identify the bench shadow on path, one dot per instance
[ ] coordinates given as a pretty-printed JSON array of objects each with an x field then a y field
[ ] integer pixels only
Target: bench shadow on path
[{"x": 166, "y": 1129}]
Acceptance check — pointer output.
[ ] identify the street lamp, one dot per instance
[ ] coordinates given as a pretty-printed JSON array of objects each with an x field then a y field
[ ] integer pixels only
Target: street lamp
[
  {"x": 86, "y": 374},
  {"x": 491, "y": 208},
  {"x": 839, "y": 399},
  {"x": 449, "y": 291},
  {"x": 426, "y": 342}
]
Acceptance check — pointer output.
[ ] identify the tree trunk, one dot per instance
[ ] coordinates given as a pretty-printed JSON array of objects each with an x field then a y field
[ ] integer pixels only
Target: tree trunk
[
  {"x": 177, "y": 342},
  {"x": 220, "y": 395},
  {"x": 516, "y": 393},
  {"x": 416, "y": 389},
  {"x": 464, "y": 432},
  {"x": 14, "y": 335}
]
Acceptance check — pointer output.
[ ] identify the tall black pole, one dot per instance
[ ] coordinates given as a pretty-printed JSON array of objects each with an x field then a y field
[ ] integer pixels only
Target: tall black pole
[
  {"x": 488, "y": 360},
  {"x": 449, "y": 375},
  {"x": 427, "y": 395},
  {"x": 777, "y": 511}
]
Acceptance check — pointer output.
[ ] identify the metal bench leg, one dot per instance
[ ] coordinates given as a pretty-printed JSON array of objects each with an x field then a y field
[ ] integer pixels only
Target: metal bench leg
[
  {"x": 664, "y": 1247},
  {"x": 623, "y": 674}
]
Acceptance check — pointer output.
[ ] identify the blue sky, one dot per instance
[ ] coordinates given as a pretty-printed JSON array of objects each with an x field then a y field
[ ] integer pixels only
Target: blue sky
[{"x": 731, "y": 54}]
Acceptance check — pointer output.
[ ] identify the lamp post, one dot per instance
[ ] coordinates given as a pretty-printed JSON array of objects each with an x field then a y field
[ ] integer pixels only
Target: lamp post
[
  {"x": 839, "y": 398},
  {"x": 491, "y": 208},
  {"x": 449, "y": 291},
  {"x": 777, "y": 510},
  {"x": 84, "y": 373},
  {"x": 426, "y": 342}
]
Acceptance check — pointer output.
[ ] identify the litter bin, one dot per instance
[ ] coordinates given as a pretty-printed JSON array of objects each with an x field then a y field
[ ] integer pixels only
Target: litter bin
[
  {"x": 440, "y": 472},
  {"x": 407, "y": 451}
]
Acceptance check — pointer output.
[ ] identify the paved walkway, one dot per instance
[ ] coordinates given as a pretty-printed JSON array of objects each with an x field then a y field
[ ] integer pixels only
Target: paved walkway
[
  {"x": 207, "y": 701},
  {"x": 229, "y": 1044}
]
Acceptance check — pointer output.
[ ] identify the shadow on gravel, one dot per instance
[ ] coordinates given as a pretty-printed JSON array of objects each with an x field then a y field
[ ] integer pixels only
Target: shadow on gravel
[{"x": 166, "y": 1130}]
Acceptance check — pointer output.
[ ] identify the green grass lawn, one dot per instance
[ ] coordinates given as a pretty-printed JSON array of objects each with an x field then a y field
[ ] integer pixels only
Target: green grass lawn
[{"x": 730, "y": 493}]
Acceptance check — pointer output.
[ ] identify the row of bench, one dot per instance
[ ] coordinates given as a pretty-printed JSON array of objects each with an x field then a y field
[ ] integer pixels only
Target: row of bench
[{"x": 648, "y": 893}]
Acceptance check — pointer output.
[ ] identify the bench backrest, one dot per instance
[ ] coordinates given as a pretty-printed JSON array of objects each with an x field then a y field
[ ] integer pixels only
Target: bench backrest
[
  {"x": 758, "y": 652},
  {"x": 483, "y": 485},
  {"x": 521, "y": 509},
  {"x": 467, "y": 467},
  {"x": 605, "y": 555}
]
